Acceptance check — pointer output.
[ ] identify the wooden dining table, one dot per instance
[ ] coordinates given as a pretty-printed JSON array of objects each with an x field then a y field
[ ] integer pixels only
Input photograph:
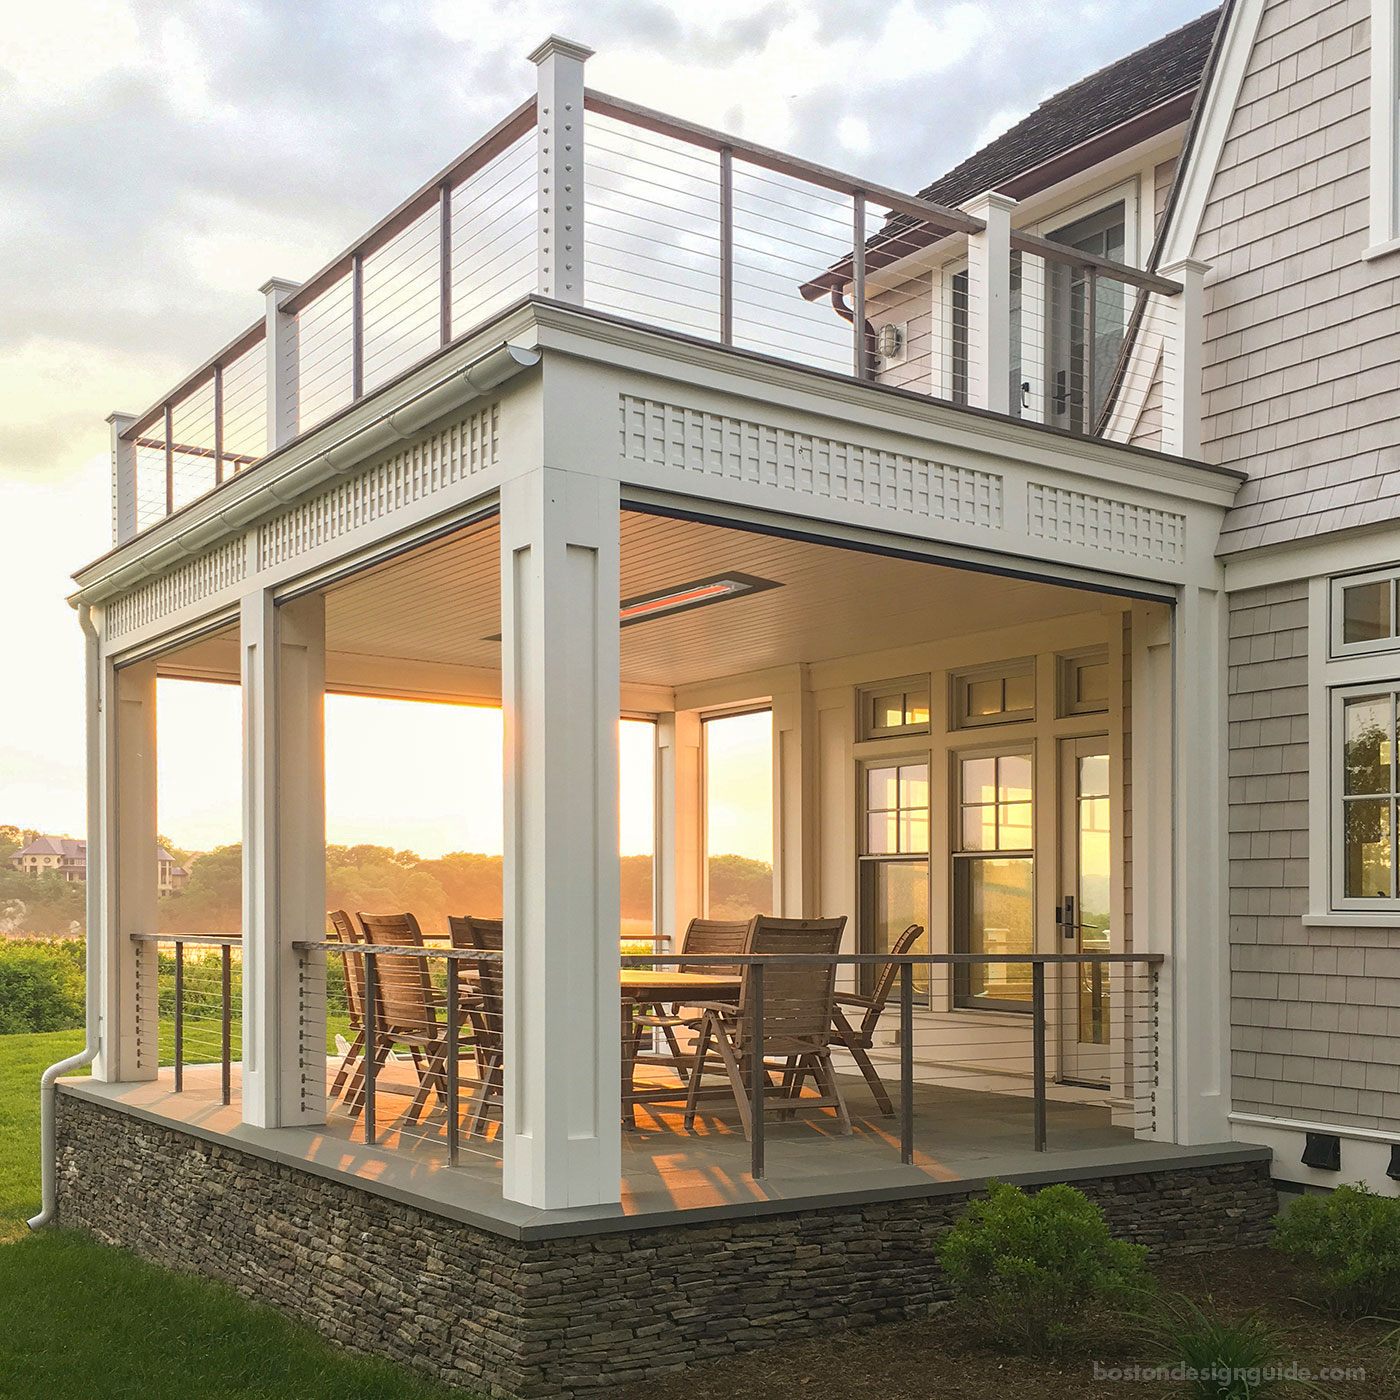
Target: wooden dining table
[{"x": 645, "y": 986}]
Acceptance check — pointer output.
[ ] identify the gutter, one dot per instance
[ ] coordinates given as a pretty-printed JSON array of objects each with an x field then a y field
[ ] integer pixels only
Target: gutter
[{"x": 48, "y": 1092}]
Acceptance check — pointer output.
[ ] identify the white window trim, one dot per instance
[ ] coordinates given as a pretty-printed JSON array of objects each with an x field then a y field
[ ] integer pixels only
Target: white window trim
[
  {"x": 1337, "y": 647},
  {"x": 1385, "y": 128},
  {"x": 1341, "y": 902},
  {"x": 1329, "y": 679}
]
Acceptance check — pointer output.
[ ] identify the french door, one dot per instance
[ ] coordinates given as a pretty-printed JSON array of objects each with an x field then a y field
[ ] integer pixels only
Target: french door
[{"x": 1082, "y": 912}]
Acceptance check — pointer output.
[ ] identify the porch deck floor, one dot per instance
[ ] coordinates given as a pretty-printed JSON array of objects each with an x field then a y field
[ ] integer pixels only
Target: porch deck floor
[{"x": 960, "y": 1135}]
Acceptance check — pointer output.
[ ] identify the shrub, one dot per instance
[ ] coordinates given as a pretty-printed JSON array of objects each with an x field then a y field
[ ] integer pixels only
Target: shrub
[
  {"x": 1350, "y": 1240},
  {"x": 41, "y": 985},
  {"x": 1031, "y": 1267},
  {"x": 1225, "y": 1359}
]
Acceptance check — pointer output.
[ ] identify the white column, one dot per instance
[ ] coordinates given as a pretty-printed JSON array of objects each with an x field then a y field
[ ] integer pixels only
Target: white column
[
  {"x": 280, "y": 342},
  {"x": 795, "y": 845},
  {"x": 989, "y": 303},
  {"x": 123, "y": 478},
  {"x": 561, "y": 168},
  {"x": 1183, "y": 359},
  {"x": 560, "y": 552},
  {"x": 1201, "y": 983},
  {"x": 680, "y": 858},
  {"x": 284, "y": 860},
  {"x": 129, "y": 989}
]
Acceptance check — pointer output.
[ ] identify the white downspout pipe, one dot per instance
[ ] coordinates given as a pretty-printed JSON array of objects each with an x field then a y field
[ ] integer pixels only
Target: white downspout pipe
[{"x": 48, "y": 1147}]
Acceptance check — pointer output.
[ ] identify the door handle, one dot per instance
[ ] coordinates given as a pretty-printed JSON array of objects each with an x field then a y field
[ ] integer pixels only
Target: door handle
[{"x": 1071, "y": 929}]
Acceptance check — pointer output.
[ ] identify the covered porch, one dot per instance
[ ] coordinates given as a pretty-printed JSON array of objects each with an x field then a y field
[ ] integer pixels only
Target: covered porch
[{"x": 944, "y": 742}]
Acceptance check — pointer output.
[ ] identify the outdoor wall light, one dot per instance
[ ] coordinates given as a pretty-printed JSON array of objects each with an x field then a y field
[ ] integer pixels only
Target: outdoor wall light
[{"x": 890, "y": 340}]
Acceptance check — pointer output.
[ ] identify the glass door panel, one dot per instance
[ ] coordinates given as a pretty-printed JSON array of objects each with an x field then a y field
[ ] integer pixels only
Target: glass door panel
[{"x": 1084, "y": 914}]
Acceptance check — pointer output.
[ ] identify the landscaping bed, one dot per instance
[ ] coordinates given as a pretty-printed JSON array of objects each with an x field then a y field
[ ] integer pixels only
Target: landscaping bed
[{"x": 941, "y": 1359}]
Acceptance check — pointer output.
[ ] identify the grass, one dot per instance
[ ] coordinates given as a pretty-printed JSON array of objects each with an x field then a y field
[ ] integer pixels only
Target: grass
[{"x": 79, "y": 1319}]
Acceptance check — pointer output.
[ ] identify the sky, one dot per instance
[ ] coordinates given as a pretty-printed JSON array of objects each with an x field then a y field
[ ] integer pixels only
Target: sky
[{"x": 160, "y": 161}]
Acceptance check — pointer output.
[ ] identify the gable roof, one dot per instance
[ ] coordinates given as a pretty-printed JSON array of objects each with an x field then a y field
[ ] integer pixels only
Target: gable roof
[{"x": 1159, "y": 78}]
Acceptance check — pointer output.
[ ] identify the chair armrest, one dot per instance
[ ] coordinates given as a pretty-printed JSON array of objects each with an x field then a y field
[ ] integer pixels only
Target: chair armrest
[{"x": 851, "y": 999}]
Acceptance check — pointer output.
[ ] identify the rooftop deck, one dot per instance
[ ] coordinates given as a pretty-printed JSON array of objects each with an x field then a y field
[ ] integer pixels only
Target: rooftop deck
[
  {"x": 962, "y": 1137},
  {"x": 637, "y": 214}
]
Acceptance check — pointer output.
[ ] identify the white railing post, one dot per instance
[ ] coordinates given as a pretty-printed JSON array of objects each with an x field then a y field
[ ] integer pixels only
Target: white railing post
[
  {"x": 281, "y": 345},
  {"x": 123, "y": 478},
  {"x": 561, "y": 168},
  {"x": 1183, "y": 358},
  {"x": 989, "y": 303}
]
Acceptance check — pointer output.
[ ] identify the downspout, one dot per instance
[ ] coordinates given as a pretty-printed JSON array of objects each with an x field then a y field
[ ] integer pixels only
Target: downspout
[
  {"x": 872, "y": 347},
  {"x": 48, "y": 1092}
]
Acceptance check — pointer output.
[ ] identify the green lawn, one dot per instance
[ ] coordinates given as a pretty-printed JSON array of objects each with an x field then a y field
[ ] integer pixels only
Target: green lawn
[{"x": 80, "y": 1320}]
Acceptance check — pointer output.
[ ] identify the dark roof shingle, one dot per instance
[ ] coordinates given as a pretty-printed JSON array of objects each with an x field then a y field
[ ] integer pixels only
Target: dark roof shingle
[{"x": 1164, "y": 69}]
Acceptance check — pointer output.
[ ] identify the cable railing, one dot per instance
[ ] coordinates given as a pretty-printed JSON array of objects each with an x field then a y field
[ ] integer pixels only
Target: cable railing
[
  {"x": 421, "y": 1046},
  {"x": 189, "y": 1002},
  {"x": 697, "y": 232}
]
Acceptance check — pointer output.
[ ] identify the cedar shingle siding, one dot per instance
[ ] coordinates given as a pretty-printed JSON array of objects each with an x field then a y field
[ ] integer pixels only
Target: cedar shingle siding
[
  {"x": 1302, "y": 350},
  {"x": 1315, "y": 1012}
]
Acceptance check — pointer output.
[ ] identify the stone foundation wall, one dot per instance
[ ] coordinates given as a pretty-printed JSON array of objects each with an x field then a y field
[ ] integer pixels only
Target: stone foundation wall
[{"x": 558, "y": 1317}]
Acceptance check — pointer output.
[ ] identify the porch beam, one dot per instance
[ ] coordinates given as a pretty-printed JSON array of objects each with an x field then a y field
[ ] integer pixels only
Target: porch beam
[
  {"x": 284, "y": 856},
  {"x": 560, "y": 581}
]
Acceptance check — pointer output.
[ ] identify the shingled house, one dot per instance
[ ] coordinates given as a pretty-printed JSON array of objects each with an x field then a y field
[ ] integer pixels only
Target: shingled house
[{"x": 1047, "y": 515}]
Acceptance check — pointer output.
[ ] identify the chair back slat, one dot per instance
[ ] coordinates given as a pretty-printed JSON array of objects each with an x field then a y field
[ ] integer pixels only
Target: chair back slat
[
  {"x": 797, "y": 997},
  {"x": 485, "y": 936},
  {"x": 716, "y": 936},
  {"x": 884, "y": 983},
  {"x": 343, "y": 931},
  {"x": 404, "y": 985}
]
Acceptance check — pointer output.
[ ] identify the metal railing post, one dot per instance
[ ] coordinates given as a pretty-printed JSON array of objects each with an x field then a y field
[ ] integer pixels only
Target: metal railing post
[
  {"x": 1038, "y": 1050},
  {"x": 1091, "y": 298},
  {"x": 858, "y": 364},
  {"x": 179, "y": 1016},
  {"x": 756, "y": 1076},
  {"x": 726, "y": 246},
  {"x": 169, "y": 460},
  {"x": 226, "y": 1028},
  {"x": 906, "y": 1062},
  {"x": 445, "y": 264},
  {"x": 357, "y": 326},
  {"x": 371, "y": 1015},
  {"x": 218, "y": 423},
  {"x": 453, "y": 1014}
]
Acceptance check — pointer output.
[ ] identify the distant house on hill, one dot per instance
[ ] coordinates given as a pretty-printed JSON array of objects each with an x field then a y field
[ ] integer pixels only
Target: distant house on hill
[{"x": 67, "y": 857}]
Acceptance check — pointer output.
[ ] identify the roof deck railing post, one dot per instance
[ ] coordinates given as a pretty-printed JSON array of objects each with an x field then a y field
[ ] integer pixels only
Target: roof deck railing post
[
  {"x": 281, "y": 343},
  {"x": 561, "y": 168},
  {"x": 357, "y": 326},
  {"x": 859, "y": 364},
  {"x": 1182, "y": 358},
  {"x": 123, "y": 478},
  {"x": 445, "y": 263},
  {"x": 989, "y": 303},
  {"x": 726, "y": 246}
]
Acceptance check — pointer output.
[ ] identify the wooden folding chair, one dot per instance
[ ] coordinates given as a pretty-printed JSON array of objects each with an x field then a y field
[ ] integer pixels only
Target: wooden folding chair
[{"x": 796, "y": 1028}]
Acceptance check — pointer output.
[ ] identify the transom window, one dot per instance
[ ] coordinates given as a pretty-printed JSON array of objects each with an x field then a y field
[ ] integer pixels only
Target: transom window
[
  {"x": 1084, "y": 684},
  {"x": 1365, "y": 616},
  {"x": 896, "y": 707},
  {"x": 1367, "y": 813},
  {"x": 995, "y": 696}
]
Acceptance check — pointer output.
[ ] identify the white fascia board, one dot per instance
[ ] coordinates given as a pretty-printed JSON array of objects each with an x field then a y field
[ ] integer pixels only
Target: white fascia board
[
  {"x": 1364, "y": 547},
  {"x": 989, "y": 437},
  {"x": 1195, "y": 178}
]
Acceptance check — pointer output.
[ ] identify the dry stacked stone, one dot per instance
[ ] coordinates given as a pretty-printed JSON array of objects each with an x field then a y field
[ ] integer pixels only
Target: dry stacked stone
[{"x": 558, "y": 1317}]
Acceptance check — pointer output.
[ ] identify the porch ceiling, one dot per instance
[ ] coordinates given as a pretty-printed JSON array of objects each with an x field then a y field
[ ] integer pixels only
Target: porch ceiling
[{"x": 440, "y": 604}]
